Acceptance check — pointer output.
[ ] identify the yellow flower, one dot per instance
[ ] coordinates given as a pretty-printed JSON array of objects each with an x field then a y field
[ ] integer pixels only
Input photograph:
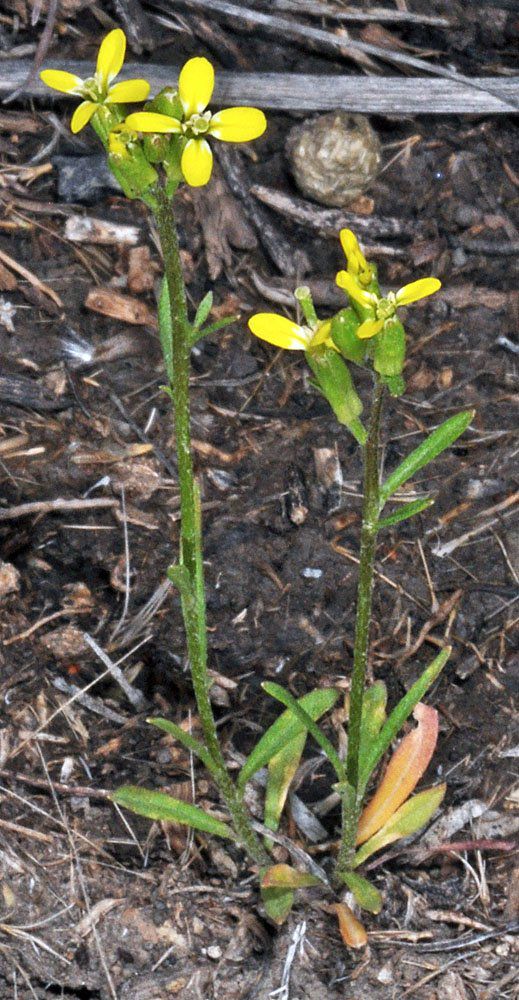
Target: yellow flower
[
  {"x": 282, "y": 332},
  {"x": 195, "y": 89},
  {"x": 384, "y": 308},
  {"x": 357, "y": 263},
  {"x": 97, "y": 90}
]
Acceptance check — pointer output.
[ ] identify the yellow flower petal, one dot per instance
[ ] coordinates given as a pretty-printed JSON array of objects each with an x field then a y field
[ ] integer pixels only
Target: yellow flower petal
[
  {"x": 369, "y": 328},
  {"x": 321, "y": 335},
  {"x": 82, "y": 115},
  {"x": 197, "y": 162},
  {"x": 66, "y": 83},
  {"x": 128, "y": 91},
  {"x": 150, "y": 121},
  {"x": 111, "y": 56},
  {"x": 238, "y": 124},
  {"x": 417, "y": 290},
  {"x": 349, "y": 284},
  {"x": 280, "y": 331},
  {"x": 195, "y": 85}
]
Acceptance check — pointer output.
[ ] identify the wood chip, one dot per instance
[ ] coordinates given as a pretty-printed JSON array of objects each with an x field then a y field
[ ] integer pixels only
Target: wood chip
[{"x": 86, "y": 229}]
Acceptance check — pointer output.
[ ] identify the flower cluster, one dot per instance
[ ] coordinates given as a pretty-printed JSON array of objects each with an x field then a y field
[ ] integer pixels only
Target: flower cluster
[
  {"x": 370, "y": 317},
  {"x": 191, "y": 125}
]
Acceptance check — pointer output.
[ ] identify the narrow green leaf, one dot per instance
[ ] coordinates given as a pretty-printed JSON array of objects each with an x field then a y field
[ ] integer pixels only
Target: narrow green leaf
[
  {"x": 276, "y": 691},
  {"x": 284, "y": 729},
  {"x": 219, "y": 324},
  {"x": 400, "y": 714},
  {"x": 373, "y": 718},
  {"x": 281, "y": 770},
  {"x": 158, "y": 805},
  {"x": 278, "y": 902},
  {"x": 165, "y": 330},
  {"x": 405, "y": 511},
  {"x": 410, "y": 818},
  {"x": 285, "y": 877},
  {"x": 190, "y": 743},
  {"x": 366, "y": 895},
  {"x": 440, "y": 439},
  {"x": 203, "y": 311}
]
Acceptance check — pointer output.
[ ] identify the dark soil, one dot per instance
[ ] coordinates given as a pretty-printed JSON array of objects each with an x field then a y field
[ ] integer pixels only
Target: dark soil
[{"x": 97, "y": 905}]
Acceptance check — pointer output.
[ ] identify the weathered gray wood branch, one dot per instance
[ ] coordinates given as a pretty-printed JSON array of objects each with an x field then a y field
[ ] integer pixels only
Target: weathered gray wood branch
[{"x": 382, "y": 95}]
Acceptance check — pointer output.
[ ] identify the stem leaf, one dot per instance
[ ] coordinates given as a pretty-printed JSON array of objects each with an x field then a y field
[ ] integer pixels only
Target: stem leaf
[
  {"x": 365, "y": 893},
  {"x": 410, "y": 818},
  {"x": 281, "y": 770},
  {"x": 278, "y": 692},
  {"x": 159, "y": 806},
  {"x": 401, "y": 713},
  {"x": 405, "y": 511},
  {"x": 440, "y": 439},
  {"x": 166, "y": 330},
  {"x": 284, "y": 729},
  {"x": 278, "y": 902},
  {"x": 189, "y": 742},
  {"x": 352, "y": 932},
  {"x": 203, "y": 311},
  {"x": 285, "y": 877},
  {"x": 407, "y": 765}
]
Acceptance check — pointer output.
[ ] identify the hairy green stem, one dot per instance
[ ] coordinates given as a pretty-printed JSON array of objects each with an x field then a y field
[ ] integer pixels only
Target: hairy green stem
[
  {"x": 193, "y": 593},
  {"x": 368, "y": 542}
]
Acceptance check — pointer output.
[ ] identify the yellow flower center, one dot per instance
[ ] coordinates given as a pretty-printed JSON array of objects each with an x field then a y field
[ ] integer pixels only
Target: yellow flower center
[{"x": 385, "y": 308}]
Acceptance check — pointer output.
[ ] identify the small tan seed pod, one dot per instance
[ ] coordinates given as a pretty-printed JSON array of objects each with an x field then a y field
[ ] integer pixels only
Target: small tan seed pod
[{"x": 334, "y": 157}]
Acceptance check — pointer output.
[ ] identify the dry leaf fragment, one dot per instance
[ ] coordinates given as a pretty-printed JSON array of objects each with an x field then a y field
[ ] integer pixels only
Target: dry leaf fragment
[{"x": 108, "y": 302}]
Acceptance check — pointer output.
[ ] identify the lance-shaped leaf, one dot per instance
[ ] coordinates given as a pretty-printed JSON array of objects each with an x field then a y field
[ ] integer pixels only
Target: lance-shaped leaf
[
  {"x": 281, "y": 771},
  {"x": 352, "y": 932},
  {"x": 365, "y": 893},
  {"x": 406, "y": 511},
  {"x": 373, "y": 717},
  {"x": 219, "y": 324},
  {"x": 440, "y": 439},
  {"x": 278, "y": 903},
  {"x": 400, "y": 714},
  {"x": 159, "y": 806},
  {"x": 284, "y": 729},
  {"x": 203, "y": 311},
  {"x": 193, "y": 745},
  {"x": 286, "y": 877},
  {"x": 407, "y": 765},
  {"x": 278, "y": 692},
  {"x": 166, "y": 330},
  {"x": 411, "y": 817}
]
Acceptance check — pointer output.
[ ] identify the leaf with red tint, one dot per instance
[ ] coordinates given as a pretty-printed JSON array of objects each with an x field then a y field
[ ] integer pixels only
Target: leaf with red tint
[
  {"x": 352, "y": 932},
  {"x": 406, "y": 767}
]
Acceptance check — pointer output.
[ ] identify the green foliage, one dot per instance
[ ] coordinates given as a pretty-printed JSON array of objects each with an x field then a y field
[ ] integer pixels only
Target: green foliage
[
  {"x": 166, "y": 330},
  {"x": 189, "y": 742},
  {"x": 399, "y": 715},
  {"x": 389, "y": 353},
  {"x": 406, "y": 511},
  {"x": 276, "y": 691},
  {"x": 281, "y": 771},
  {"x": 159, "y": 806},
  {"x": 373, "y": 718},
  {"x": 411, "y": 817},
  {"x": 203, "y": 311},
  {"x": 285, "y": 729},
  {"x": 366, "y": 895},
  {"x": 436, "y": 442}
]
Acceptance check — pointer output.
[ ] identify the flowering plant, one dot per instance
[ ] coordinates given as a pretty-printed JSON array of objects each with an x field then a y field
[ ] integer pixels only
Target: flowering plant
[{"x": 151, "y": 152}]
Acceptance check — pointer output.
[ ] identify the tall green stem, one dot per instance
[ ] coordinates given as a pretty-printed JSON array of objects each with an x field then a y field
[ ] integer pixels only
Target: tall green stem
[
  {"x": 192, "y": 589},
  {"x": 368, "y": 541},
  {"x": 350, "y": 793}
]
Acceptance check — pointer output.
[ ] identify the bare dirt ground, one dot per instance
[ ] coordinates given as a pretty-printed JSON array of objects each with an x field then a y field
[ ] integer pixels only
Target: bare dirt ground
[{"x": 97, "y": 905}]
